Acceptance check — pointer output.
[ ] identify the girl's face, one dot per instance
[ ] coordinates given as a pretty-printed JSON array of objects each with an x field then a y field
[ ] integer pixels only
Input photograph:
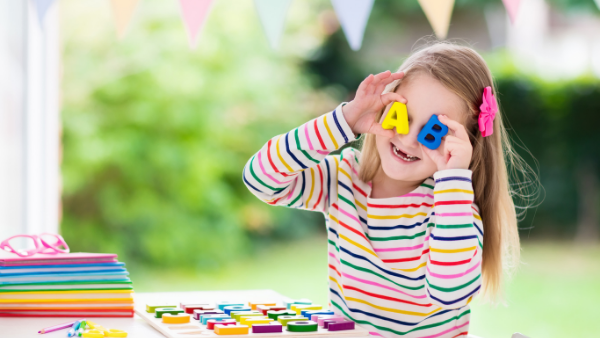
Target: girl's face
[{"x": 402, "y": 157}]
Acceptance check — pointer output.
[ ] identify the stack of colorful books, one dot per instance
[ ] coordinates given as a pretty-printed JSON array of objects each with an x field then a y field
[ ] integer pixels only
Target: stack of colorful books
[{"x": 64, "y": 285}]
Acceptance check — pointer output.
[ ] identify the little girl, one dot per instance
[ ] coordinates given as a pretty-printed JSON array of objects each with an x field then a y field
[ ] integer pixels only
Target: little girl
[{"x": 414, "y": 234}]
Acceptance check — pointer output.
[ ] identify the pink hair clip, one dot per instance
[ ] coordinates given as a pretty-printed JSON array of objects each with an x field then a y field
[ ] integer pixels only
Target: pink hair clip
[{"x": 488, "y": 112}]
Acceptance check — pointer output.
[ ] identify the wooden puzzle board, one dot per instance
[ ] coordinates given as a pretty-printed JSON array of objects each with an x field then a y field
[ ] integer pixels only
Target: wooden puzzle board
[{"x": 196, "y": 330}]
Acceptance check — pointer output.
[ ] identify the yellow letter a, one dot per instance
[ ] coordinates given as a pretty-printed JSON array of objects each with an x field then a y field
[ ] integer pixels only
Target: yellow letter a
[{"x": 397, "y": 117}]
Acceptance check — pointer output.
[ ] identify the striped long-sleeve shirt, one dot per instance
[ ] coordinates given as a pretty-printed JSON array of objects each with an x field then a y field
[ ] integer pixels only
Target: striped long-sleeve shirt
[{"x": 402, "y": 266}]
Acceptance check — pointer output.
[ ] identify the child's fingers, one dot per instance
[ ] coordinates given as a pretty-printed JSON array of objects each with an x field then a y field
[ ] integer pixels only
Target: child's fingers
[
  {"x": 377, "y": 129},
  {"x": 435, "y": 155},
  {"x": 456, "y": 127},
  {"x": 380, "y": 78},
  {"x": 388, "y": 98},
  {"x": 384, "y": 82},
  {"x": 363, "y": 87}
]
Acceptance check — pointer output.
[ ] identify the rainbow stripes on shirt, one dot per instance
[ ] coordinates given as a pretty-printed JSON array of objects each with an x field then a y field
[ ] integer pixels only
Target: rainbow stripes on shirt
[{"x": 403, "y": 266}]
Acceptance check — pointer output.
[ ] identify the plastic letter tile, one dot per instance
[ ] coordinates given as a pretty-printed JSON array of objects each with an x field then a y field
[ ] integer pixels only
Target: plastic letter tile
[
  {"x": 180, "y": 318},
  {"x": 151, "y": 307},
  {"x": 231, "y": 329},
  {"x": 432, "y": 133},
  {"x": 267, "y": 328},
  {"x": 162, "y": 310},
  {"x": 210, "y": 324},
  {"x": 302, "y": 326},
  {"x": 339, "y": 326},
  {"x": 286, "y": 319}
]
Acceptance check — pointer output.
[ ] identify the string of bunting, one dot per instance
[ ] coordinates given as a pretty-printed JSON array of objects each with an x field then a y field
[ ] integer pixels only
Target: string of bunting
[{"x": 353, "y": 16}]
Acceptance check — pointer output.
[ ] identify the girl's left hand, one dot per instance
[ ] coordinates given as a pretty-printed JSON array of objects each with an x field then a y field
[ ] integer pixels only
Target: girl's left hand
[{"x": 455, "y": 151}]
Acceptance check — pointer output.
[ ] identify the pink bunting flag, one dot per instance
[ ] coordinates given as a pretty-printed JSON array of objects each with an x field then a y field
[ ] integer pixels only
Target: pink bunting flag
[
  {"x": 194, "y": 13},
  {"x": 42, "y": 7},
  {"x": 512, "y": 7}
]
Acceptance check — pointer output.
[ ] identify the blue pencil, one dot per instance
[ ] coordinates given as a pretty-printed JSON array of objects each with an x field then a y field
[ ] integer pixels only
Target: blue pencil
[{"x": 74, "y": 329}]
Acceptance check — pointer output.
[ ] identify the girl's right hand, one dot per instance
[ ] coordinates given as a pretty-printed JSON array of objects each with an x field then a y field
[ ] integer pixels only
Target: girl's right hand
[{"x": 361, "y": 113}]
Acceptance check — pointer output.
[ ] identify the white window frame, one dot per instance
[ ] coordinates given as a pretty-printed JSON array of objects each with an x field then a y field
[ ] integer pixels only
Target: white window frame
[{"x": 29, "y": 119}]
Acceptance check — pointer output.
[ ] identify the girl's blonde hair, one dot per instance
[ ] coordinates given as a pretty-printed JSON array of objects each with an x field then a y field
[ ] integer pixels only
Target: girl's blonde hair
[{"x": 464, "y": 72}]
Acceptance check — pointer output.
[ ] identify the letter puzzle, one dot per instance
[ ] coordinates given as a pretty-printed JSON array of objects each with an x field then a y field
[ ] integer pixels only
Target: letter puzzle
[
  {"x": 228, "y": 309},
  {"x": 298, "y": 307},
  {"x": 267, "y": 328},
  {"x": 262, "y": 319},
  {"x": 253, "y": 305},
  {"x": 284, "y": 320},
  {"x": 302, "y": 326},
  {"x": 198, "y": 313},
  {"x": 276, "y": 314},
  {"x": 223, "y": 304},
  {"x": 231, "y": 329},
  {"x": 432, "y": 133},
  {"x": 310, "y": 313},
  {"x": 289, "y": 303},
  {"x": 397, "y": 117},
  {"x": 205, "y": 318},
  {"x": 265, "y": 308},
  {"x": 151, "y": 307},
  {"x": 159, "y": 311},
  {"x": 255, "y": 320},
  {"x": 179, "y": 318},
  {"x": 321, "y": 319},
  {"x": 210, "y": 324},
  {"x": 328, "y": 322},
  {"x": 340, "y": 326},
  {"x": 237, "y": 314},
  {"x": 190, "y": 307}
]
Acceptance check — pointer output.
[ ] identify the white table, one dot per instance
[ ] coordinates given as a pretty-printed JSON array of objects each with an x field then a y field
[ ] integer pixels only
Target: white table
[{"x": 27, "y": 327}]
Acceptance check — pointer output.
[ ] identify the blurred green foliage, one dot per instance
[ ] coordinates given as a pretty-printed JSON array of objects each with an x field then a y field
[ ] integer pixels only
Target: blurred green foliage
[{"x": 156, "y": 135}]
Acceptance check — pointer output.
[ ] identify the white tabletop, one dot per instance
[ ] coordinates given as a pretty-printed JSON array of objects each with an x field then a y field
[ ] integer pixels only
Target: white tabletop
[{"x": 26, "y": 327}]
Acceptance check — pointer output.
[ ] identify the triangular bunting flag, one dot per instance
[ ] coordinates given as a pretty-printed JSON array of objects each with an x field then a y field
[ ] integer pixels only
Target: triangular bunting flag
[
  {"x": 438, "y": 12},
  {"x": 123, "y": 12},
  {"x": 272, "y": 15},
  {"x": 353, "y": 16},
  {"x": 42, "y": 7},
  {"x": 512, "y": 7},
  {"x": 194, "y": 13}
]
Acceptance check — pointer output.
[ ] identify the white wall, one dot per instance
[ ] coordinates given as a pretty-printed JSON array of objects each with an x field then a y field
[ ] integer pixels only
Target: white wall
[
  {"x": 29, "y": 120},
  {"x": 553, "y": 44}
]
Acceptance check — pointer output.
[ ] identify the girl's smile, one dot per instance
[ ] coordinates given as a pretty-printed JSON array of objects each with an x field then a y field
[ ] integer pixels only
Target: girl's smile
[{"x": 402, "y": 156}]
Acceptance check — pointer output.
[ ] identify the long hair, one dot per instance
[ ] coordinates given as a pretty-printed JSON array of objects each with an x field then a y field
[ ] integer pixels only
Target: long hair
[{"x": 464, "y": 72}]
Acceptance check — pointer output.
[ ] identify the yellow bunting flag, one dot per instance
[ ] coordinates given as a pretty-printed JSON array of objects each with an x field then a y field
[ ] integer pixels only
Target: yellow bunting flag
[
  {"x": 438, "y": 12},
  {"x": 123, "y": 12}
]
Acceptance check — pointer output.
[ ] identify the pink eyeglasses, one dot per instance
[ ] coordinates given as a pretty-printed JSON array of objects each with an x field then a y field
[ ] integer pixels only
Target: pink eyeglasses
[{"x": 45, "y": 243}]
